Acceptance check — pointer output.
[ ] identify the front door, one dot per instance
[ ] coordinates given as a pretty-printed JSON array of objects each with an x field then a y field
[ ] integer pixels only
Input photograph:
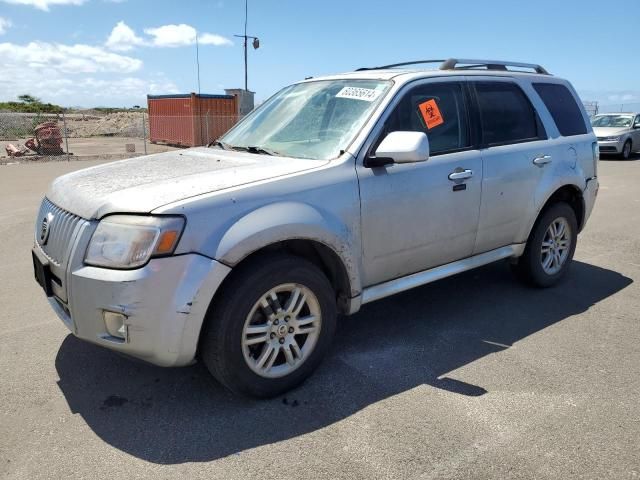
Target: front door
[
  {"x": 635, "y": 134},
  {"x": 414, "y": 216}
]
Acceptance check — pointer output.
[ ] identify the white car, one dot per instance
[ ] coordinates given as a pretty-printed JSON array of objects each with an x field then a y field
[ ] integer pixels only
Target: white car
[{"x": 618, "y": 133}]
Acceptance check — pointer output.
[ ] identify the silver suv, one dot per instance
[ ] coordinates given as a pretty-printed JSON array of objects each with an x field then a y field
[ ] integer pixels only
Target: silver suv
[{"x": 336, "y": 192}]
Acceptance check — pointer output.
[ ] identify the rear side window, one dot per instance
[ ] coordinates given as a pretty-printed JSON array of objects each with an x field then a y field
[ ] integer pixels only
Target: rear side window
[
  {"x": 563, "y": 108},
  {"x": 507, "y": 115}
]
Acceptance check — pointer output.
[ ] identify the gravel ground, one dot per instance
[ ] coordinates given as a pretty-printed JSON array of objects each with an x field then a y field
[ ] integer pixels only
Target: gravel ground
[{"x": 474, "y": 376}]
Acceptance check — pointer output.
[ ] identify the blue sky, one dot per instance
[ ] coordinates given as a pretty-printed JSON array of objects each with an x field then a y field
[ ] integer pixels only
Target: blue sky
[{"x": 67, "y": 51}]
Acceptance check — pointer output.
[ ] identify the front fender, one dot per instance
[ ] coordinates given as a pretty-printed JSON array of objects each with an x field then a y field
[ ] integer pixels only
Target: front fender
[{"x": 282, "y": 221}]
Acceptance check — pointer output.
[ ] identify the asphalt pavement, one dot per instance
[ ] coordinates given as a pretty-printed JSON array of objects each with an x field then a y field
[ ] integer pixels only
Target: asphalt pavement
[{"x": 475, "y": 376}]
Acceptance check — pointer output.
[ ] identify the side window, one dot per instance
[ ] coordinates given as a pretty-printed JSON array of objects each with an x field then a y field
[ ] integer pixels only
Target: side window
[
  {"x": 637, "y": 121},
  {"x": 439, "y": 110},
  {"x": 507, "y": 115},
  {"x": 563, "y": 108}
]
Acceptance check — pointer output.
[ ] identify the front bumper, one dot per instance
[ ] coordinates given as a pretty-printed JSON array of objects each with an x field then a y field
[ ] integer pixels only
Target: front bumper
[
  {"x": 164, "y": 302},
  {"x": 610, "y": 147}
]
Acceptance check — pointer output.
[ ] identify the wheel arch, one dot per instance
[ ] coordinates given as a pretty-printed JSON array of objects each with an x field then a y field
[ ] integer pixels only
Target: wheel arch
[
  {"x": 568, "y": 193},
  {"x": 298, "y": 229}
]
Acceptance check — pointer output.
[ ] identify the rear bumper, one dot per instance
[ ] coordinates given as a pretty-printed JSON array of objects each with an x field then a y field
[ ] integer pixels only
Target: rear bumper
[
  {"x": 164, "y": 302},
  {"x": 589, "y": 195}
]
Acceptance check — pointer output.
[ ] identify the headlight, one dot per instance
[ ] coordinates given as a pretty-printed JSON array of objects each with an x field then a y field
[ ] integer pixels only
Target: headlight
[
  {"x": 611, "y": 139},
  {"x": 128, "y": 241}
]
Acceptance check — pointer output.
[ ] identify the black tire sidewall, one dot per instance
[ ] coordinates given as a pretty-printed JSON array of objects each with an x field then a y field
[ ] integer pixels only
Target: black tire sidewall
[
  {"x": 532, "y": 257},
  {"x": 222, "y": 340},
  {"x": 623, "y": 154}
]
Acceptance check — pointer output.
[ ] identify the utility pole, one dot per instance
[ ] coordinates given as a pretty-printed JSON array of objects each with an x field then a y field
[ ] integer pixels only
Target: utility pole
[
  {"x": 245, "y": 37},
  {"x": 198, "y": 63}
]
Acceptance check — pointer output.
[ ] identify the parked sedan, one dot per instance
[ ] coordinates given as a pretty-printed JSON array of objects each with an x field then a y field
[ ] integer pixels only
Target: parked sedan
[{"x": 618, "y": 133}]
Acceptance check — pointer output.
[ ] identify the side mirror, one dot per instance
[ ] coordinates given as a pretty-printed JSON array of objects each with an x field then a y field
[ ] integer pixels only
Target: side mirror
[{"x": 400, "y": 147}]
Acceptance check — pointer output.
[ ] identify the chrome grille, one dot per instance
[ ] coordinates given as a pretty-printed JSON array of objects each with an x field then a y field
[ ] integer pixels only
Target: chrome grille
[{"x": 62, "y": 225}]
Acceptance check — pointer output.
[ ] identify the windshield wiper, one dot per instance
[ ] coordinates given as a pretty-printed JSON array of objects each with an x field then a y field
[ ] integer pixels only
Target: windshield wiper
[
  {"x": 255, "y": 149},
  {"x": 222, "y": 145}
]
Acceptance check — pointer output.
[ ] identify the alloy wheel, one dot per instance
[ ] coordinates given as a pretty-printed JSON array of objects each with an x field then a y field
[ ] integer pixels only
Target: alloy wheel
[
  {"x": 281, "y": 330},
  {"x": 556, "y": 245}
]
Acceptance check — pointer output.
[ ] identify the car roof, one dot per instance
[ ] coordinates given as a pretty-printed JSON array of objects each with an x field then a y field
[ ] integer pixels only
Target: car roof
[{"x": 411, "y": 74}]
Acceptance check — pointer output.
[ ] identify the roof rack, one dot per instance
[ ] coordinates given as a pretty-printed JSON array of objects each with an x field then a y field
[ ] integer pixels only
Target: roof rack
[
  {"x": 403, "y": 64},
  {"x": 452, "y": 64},
  {"x": 467, "y": 64}
]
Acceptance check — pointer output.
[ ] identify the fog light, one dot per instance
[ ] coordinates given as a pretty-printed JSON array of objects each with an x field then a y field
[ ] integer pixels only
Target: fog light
[{"x": 114, "y": 323}]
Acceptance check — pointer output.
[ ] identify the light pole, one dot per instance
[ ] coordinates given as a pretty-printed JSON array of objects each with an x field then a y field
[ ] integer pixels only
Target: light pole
[{"x": 255, "y": 43}]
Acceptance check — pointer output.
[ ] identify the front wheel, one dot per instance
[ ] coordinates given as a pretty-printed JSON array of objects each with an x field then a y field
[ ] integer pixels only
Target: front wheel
[
  {"x": 550, "y": 248},
  {"x": 270, "y": 326},
  {"x": 626, "y": 150}
]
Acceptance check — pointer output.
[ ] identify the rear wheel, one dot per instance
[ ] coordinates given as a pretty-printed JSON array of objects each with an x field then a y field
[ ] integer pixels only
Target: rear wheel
[
  {"x": 550, "y": 248},
  {"x": 270, "y": 326},
  {"x": 626, "y": 150}
]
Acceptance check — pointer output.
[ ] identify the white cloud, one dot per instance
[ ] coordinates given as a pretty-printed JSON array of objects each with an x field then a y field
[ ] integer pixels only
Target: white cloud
[
  {"x": 123, "y": 38},
  {"x": 611, "y": 97},
  {"x": 45, "y": 4},
  {"x": 4, "y": 25},
  {"x": 182, "y": 35},
  {"x": 64, "y": 58},
  {"x": 172, "y": 35},
  {"x": 214, "y": 39},
  {"x": 86, "y": 91},
  {"x": 72, "y": 75},
  {"x": 624, "y": 97}
]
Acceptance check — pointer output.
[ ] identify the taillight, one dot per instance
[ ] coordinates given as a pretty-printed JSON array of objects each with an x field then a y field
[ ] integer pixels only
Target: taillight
[{"x": 596, "y": 157}]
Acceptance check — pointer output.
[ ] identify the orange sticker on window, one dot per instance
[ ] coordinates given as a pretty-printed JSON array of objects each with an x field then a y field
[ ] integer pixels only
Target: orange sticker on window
[{"x": 431, "y": 113}]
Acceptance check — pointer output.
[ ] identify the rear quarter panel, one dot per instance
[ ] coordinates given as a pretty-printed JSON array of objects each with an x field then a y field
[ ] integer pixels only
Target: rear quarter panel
[{"x": 573, "y": 162}]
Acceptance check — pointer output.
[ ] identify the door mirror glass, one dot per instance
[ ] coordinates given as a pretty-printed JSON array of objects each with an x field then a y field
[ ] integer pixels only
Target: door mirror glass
[{"x": 404, "y": 147}]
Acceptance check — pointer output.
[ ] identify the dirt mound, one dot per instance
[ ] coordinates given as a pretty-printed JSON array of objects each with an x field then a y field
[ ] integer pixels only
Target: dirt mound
[{"x": 127, "y": 124}]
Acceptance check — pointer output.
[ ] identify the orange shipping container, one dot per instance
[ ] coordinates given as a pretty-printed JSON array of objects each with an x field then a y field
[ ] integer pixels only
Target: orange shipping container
[{"x": 190, "y": 119}]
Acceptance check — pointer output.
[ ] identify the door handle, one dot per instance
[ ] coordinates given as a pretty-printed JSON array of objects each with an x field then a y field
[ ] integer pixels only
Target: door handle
[
  {"x": 460, "y": 175},
  {"x": 542, "y": 160}
]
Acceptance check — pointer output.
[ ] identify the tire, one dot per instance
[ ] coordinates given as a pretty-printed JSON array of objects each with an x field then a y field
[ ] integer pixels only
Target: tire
[
  {"x": 237, "y": 312},
  {"x": 532, "y": 267},
  {"x": 626, "y": 150}
]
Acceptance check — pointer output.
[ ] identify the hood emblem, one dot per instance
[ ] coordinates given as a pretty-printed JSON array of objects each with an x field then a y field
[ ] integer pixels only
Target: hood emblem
[{"x": 45, "y": 226}]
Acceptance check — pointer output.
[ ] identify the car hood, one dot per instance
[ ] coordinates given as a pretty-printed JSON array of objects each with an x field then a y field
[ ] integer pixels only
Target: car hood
[
  {"x": 609, "y": 131},
  {"x": 142, "y": 184}
]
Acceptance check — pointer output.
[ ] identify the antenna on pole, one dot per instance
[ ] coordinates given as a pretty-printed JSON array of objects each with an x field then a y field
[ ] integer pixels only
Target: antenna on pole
[
  {"x": 198, "y": 62},
  {"x": 245, "y": 37},
  {"x": 246, "y": 17}
]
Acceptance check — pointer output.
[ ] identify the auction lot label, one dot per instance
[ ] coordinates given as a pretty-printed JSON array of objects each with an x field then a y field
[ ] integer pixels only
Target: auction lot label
[{"x": 366, "y": 94}]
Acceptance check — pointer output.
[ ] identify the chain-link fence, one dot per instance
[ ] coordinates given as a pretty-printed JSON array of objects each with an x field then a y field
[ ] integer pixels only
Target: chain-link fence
[
  {"x": 594, "y": 108},
  {"x": 100, "y": 136}
]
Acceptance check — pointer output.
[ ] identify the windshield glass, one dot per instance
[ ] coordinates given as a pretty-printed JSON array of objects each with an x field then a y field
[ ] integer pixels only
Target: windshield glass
[
  {"x": 313, "y": 120},
  {"x": 612, "y": 121}
]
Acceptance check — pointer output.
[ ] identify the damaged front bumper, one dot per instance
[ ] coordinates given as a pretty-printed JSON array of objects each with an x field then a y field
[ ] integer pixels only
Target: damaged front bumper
[{"x": 163, "y": 305}]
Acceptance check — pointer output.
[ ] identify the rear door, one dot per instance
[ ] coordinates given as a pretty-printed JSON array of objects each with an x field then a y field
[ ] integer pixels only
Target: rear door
[{"x": 514, "y": 153}]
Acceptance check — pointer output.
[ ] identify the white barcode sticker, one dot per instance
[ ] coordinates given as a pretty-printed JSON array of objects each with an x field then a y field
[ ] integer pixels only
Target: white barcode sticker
[{"x": 366, "y": 94}]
